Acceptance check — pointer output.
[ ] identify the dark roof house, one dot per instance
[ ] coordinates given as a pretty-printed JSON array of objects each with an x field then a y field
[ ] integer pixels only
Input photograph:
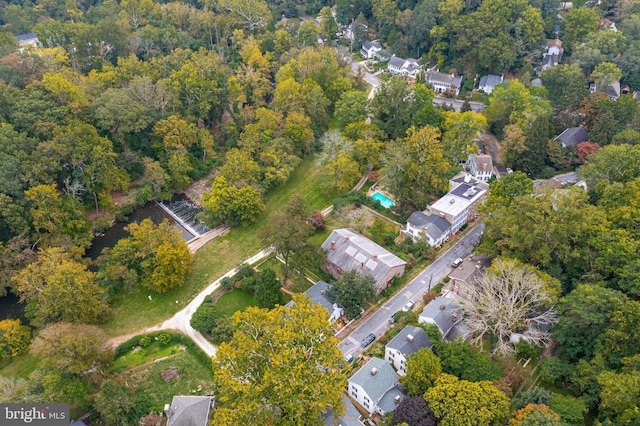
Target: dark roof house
[
  {"x": 447, "y": 315},
  {"x": 434, "y": 227},
  {"x": 489, "y": 82},
  {"x": 351, "y": 415},
  {"x": 409, "y": 341},
  {"x": 318, "y": 295},
  {"x": 188, "y": 411},
  {"x": 573, "y": 136},
  {"x": 347, "y": 251}
]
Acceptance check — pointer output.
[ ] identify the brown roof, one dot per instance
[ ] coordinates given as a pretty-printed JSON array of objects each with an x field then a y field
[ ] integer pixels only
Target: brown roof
[{"x": 554, "y": 42}]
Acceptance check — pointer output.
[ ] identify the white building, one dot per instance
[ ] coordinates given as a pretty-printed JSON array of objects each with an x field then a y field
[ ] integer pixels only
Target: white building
[
  {"x": 443, "y": 83},
  {"x": 409, "y": 341},
  {"x": 432, "y": 227},
  {"x": 404, "y": 67},
  {"x": 489, "y": 82},
  {"x": 376, "y": 387},
  {"x": 460, "y": 203},
  {"x": 481, "y": 166}
]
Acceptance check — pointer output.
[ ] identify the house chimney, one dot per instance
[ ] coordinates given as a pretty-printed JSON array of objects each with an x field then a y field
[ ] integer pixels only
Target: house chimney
[
  {"x": 409, "y": 338},
  {"x": 167, "y": 410},
  {"x": 374, "y": 371},
  {"x": 484, "y": 166},
  {"x": 442, "y": 307},
  {"x": 347, "y": 237},
  {"x": 333, "y": 245},
  {"x": 375, "y": 255},
  {"x": 397, "y": 399},
  {"x": 454, "y": 316},
  {"x": 322, "y": 291}
]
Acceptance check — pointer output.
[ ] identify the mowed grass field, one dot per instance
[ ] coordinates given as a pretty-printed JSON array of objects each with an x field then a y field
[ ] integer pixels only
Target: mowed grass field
[{"x": 132, "y": 312}]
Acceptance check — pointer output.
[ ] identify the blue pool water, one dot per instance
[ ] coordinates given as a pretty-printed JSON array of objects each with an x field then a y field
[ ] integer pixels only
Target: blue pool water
[{"x": 384, "y": 200}]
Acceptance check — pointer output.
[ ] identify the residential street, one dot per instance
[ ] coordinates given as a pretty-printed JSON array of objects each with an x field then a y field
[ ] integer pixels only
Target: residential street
[
  {"x": 457, "y": 104},
  {"x": 378, "y": 323}
]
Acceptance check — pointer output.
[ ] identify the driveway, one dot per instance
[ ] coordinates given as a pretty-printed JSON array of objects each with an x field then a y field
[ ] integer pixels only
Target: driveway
[{"x": 378, "y": 322}]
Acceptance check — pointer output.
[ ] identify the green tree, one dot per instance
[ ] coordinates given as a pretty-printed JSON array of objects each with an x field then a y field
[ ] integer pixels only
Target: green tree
[
  {"x": 228, "y": 204},
  {"x": 250, "y": 14},
  {"x": 283, "y": 366},
  {"x": 459, "y": 402},
  {"x": 114, "y": 404},
  {"x": 204, "y": 319},
  {"x": 116, "y": 112},
  {"x": 351, "y": 108},
  {"x": 413, "y": 411},
  {"x": 423, "y": 368},
  {"x": 570, "y": 409},
  {"x": 239, "y": 168},
  {"x": 329, "y": 24},
  {"x": 268, "y": 292},
  {"x": 55, "y": 285},
  {"x": 459, "y": 132},
  {"x": 345, "y": 171},
  {"x": 465, "y": 361},
  {"x": 353, "y": 291},
  {"x": 288, "y": 231},
  {"x": 578, "y": 23},
  {"x": 605, "y": 74},
  {"x": 503, "y": 191},
  {"x": 619, "y": 397},
  {"x": 76, "y": 349},
  {"x": 14, "y": 338},
  {"x": 535, "y": 396},
  {"x": 566, "y": 85},
  {"x": 612, "y": 163}
]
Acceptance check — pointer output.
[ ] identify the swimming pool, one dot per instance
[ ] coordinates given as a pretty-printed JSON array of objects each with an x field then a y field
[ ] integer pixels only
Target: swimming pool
[{"x": 384, "y": 200}]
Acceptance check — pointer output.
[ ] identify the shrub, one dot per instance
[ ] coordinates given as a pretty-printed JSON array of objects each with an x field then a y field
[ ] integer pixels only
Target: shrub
[
  {"x": 227, "y": 283},
  {"x": 318, "y": 221},
  {"x": 144, "y": 341},
  {"x": 534, "y": 396},
  {"x": 245, "y": 270},
  {"x": 446, "y": 279},
  {"x": 570, "y": 409},
  {"x": 248, "y": 284},
  {"x": 164, "y": 338},
  {"x": 204, "y": 318},
  {"x": 527, "y": 350}
]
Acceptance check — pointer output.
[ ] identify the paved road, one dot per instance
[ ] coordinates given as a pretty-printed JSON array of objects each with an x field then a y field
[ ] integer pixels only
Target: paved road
[
  {"x": 457, "y": 104},
  {"x": 378, "y": 323}
]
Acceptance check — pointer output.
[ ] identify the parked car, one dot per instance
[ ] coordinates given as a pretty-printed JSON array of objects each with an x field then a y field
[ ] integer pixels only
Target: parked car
[
  {"x": 348, "y": 358},
  {"x": 408, "y": 306},
  {"x": 392, "y": 318},
  {"x": 368, "y": 340},
  {"x": 456, "y": 263}
]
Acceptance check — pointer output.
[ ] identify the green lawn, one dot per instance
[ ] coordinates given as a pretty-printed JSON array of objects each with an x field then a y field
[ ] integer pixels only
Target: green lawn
[
  {"x": 21, "y": 366},
  {"x": 147, "y": 382},
  {"x": 297, "y": 283},
  {"x": 237, "y": 300},
  {"x": 134, "y": 358},
  {"x": 134, "y": 311}
]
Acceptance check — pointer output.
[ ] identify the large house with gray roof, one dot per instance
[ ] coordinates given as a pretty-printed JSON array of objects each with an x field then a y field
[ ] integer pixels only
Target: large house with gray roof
[
  {"x": 404, "y": 67},
  {"x": 349, "y": 251},
  {"x": 573, "y": 136},
  {"x": 480, "y": 166},
  {"x": 409, "y": 341},
  {"x": 376, "y": 387},
  {"x": 489, "y": 82},
  {"x": 443, "y": 83},
  {"x": 188, "y": 410},
  {"x": 460, "y": 203},
  {"x": 432, "y": 227},
  {"x": 445, "y": 313}
]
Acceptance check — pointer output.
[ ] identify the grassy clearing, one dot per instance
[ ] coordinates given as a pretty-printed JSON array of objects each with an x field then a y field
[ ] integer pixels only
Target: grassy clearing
[
  {"x": 134, "y": 358},
  {"x": 21, "y": 366},
  {"x": 147, "y": 383},
  {"x": 237, "y": 300},
  {"x": 134, "y": 311},
  {"x": 296, "y": 283}
]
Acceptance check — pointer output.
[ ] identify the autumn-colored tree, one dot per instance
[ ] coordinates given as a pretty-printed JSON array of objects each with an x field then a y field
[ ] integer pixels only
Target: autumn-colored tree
[
  {"x": 55, "y": 285},
  {"x": 535, "y": 415},
  {"x": 585, "y": 149},
  {"x": 226, "y": 203},
  {"x": 459, "y": 402},
  {"x": 14, "y": 338},
  {"x": 283, "y": 365}
]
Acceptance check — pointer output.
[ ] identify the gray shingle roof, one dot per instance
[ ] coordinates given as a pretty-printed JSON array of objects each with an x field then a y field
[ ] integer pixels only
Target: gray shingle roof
[
  {"x": 402, "y": 344},
  {"x": 351, "y": 416},
  {"x": 189, "y": 411},
  {"x": 353, "y": 251},
  {"x": 396, "y": 62},
  {"x": 483, "y": 161},
  {"x": 445, "y": 312},
  {"x": 434, "y": 225},
  {"x": 490, "y": 80},
  {"x": 26, "y": 37},
  {"x": 375, "y": 385},
  {"x": 573, "y": 136},
  {"x": 388, "y": 402}
]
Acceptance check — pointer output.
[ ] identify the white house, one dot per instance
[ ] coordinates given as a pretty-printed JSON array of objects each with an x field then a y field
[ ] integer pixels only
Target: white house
[
  {"x": 443, "y": 83},
  {"x": 489, "y": 82},
  {"x": 28, "y": 39},
  {"x": 480, "y": 166},
  {"x": 318, "y": 295},
  {"x": 552, "y": 54},
  {"x": 432, "y": 227},
  {"x": 405, "y": 67},
  {"x": 460, "y": 203},
  {"x": 606, "y": 24},
  {"x": 376, "y": 387},
  {"x": 409, "y": 341},
  {"x": 370, "y": 49},
  {"x": 612, "y": 90}
]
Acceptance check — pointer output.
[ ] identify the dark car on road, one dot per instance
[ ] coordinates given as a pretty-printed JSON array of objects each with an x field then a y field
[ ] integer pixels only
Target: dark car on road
[{"x": 368, "y": 340}]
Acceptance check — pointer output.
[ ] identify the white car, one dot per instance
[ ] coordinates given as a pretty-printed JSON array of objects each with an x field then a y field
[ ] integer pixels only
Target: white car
[
  {"x": 408, "y": 306},
  {"x": 456, "y": 263}
]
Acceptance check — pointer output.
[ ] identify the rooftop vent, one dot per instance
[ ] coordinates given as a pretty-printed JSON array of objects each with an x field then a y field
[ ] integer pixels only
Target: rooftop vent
[
  {"x": 451, "y": 201},
  {"x": 442, "y": 307},
  {"x": 397, "y": 399},
  {"x": 374, "y": 371},
  {"x": 375, "y": 255}
]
